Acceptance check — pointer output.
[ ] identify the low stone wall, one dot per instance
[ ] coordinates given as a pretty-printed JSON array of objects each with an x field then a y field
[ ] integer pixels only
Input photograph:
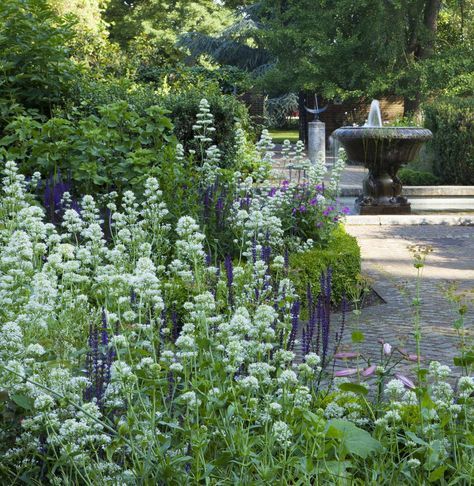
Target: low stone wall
[{"x": 419, "y": 191}]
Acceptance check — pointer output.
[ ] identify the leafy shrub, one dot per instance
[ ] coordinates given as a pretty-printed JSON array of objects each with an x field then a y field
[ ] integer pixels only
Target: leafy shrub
[
  {"x": 342, "y": 255},
  {"x": 116, "y": 149},
  {"x": 183, "y": 108},
  {"x": 181, "y": 78},
  {"x": 89, "y": 92},
  {"x": 411, "y": 177},
  {"x": 451, "y": 121},
  {"x": 35, "y": 65}
]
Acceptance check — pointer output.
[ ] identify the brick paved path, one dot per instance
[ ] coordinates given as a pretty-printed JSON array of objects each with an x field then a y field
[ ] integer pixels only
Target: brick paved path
[{"x": 386, "y": 259}]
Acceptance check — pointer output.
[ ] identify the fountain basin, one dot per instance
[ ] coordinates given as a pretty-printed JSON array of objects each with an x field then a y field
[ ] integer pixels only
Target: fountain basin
[{"x": 383, "y": 150}]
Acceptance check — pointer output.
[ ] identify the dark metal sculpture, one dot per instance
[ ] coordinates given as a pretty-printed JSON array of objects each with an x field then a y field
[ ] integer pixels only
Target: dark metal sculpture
[
  {"x": 383, "y": 150},
  {"x": 316, "y": 111}
]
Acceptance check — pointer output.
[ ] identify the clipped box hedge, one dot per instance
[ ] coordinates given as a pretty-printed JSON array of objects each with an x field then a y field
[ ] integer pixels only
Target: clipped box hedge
[
  {"x": 342, "y": 254},
  {"x": 452, "y": 122}
]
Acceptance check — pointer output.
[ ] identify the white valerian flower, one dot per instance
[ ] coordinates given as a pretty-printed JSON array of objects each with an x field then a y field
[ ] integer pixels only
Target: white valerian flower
[
  {"x": 287, "y": 377},
  {"x": 262, "y": 371},
  {"x": 249, "y": 383},
  {"x": 413, "y": 463},
  {"x": 439, "y": 371},
  {"x": 395, "y": 389},
  {"x": 333, "y": 410},
  {"x": 35, "y": 350},
  {"x": 465, "y": 386},
  {"x": 122, "y": 372},
  {"x": 282, "y": 433},
  {"x": 176, "y": 367},
  {"x": 275, "y": 408},
  {"x": 312, "y": 359},
  {"x": 302, "y": 397},
  {"x": 119, "y": 341},
  {"x": 190, "y": 399}
]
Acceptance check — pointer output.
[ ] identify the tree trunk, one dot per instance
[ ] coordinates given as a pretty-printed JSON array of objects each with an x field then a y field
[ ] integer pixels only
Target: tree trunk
[
  {"x": 421, "y": 50},
  {"x": 302, "y": 116}
]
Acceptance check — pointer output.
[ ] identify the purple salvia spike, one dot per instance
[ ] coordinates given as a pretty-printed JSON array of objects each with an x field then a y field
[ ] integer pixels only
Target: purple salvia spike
[
  {"x": 295, "y": 314},
  {"x": 229, "y": 269},
  {"x": 319, "y": 313},
  {"x": 175, "y": 323},
  {"x": 254, "y": 250},
  {"x": 104, "y": 334}
]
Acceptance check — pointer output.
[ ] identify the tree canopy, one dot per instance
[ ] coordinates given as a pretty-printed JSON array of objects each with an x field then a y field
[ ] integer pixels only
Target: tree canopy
[{"x": 359, "y": 48}]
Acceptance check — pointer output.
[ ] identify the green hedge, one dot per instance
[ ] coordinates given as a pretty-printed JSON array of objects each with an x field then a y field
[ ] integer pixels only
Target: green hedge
[
  {"x": 342, "y": 254},
  {"x": 411, "y": 177},
  {"x": 184, "y": 106},
  {"x": 452, "y": 122}
]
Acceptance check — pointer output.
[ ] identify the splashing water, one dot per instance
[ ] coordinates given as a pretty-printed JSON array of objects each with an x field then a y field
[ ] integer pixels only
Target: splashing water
[{"x": 375, "y": 116}]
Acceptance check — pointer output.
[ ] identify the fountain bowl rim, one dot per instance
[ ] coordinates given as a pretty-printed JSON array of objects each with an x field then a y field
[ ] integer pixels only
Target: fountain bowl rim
[
  {"x": 365, "y": 127},
  {"x": 414, "y": 133}
]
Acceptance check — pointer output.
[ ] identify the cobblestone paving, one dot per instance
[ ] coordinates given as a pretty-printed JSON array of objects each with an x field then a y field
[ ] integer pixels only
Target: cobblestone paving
[{"x": 386, "y": 260}]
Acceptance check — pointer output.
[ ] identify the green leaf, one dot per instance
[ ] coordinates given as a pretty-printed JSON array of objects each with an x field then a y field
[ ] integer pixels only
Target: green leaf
[
  {"x": 230, "y": 411},
  {"x": 426, "y": 401},
  {"x": 437, "y": 474},
  {"x": 23, "y": 401},
  {"x": 170, "y": 425},
  {"x": 414, "y": 438},
  {"x": 358, "y": 337},
  {"x": 355, "y": 440},
  {"x": 354, "y": 388},
  {"x": 465, "y": 360}
]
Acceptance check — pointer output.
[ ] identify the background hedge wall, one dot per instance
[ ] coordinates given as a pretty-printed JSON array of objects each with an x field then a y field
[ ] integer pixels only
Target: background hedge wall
[{"x": 452, "y": 122}]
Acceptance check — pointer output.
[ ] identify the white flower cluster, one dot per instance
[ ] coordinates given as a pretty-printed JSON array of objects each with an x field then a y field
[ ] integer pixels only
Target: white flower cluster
[
  {"x": 317, "y": 171},
  {"x": 336, "y": 172}
]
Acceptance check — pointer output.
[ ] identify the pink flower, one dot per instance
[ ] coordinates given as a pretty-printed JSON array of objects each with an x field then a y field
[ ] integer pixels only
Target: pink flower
[
  {"x": 346, "y": 355},
  {"x": 346, "y": 372},
  {"x": 406, "y": 381},
  {"x": 369, "y": 371},
  {"x": 387, "y": 349},
  {"x": 414, "y": 357}
]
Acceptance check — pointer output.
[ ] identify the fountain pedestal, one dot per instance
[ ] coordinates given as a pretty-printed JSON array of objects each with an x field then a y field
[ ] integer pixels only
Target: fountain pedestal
[{"x": 382, "y": 194}]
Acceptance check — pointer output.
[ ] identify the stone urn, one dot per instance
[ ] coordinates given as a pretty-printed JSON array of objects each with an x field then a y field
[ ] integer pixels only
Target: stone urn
[{"x": 383, "y": 150}]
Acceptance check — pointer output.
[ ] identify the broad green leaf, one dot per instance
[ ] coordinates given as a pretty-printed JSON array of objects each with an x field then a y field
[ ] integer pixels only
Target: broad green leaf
[
  {"x": 414, "y": 438},
  {"x": 355, "y": 440},
  {"x": 354, "y": 388},
  {"x": 437, "y": 474},
  {"x": 465, "y": 360},
  {"x": 23, "y": 401},
  {"x": 426, "y": 401}
]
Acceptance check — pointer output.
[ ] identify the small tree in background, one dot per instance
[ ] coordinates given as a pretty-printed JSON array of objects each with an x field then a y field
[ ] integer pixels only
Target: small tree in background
[{"x": 34, "y": 60}]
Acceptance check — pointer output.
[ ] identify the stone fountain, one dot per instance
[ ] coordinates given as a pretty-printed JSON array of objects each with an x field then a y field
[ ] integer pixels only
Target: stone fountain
[{"x": 383, "y": 150}]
